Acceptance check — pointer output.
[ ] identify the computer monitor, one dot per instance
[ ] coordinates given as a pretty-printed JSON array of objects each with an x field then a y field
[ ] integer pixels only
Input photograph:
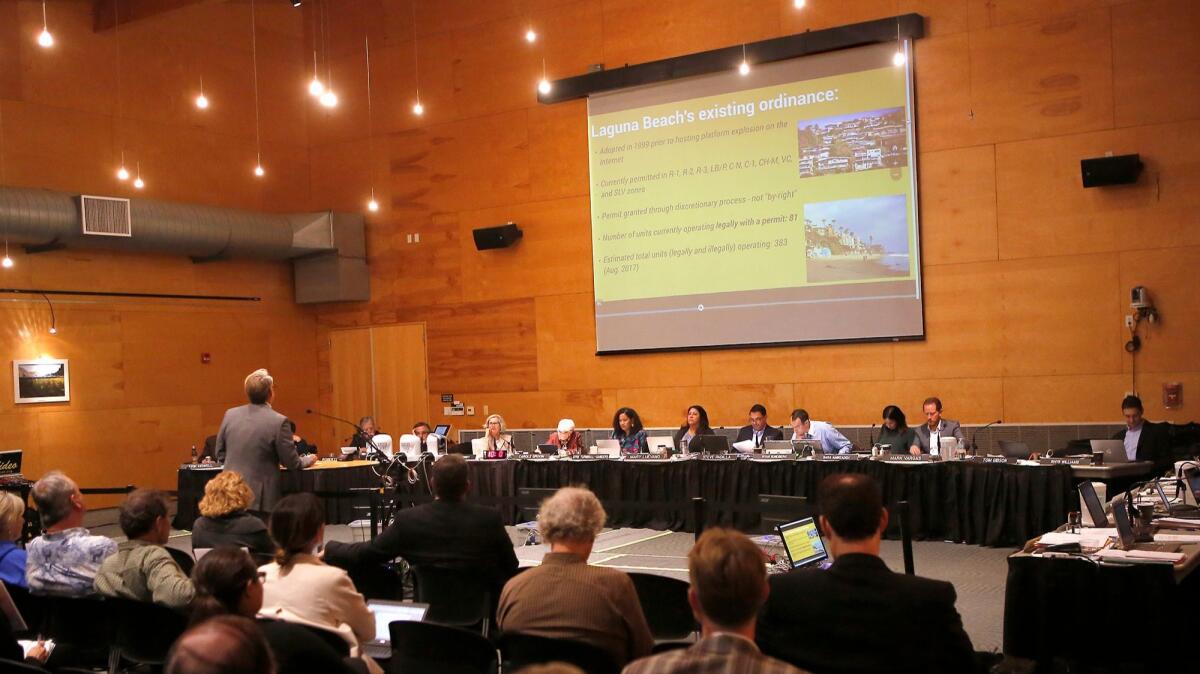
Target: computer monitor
[
  {"x": 777, "y": 509},
  {"x": 529, "y": 500},
  {"x": 803, "y": 543},
  {"x": 1092, "y": 501},
  {"x": 709, "y": 444},
  {"x": 442, "y": 430}
]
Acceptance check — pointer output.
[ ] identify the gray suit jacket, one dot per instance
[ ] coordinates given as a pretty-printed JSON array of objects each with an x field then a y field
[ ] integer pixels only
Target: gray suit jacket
[
  {"x": 950, "y": 428},
  {"x": 254, "y": 440}
]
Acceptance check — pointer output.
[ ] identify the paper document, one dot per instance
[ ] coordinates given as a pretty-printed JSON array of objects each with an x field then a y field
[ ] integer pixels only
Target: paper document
[
  {"x": 745, "y": 446},
  {"x": 1141, "y": 556},
  {"x": 1176, "y": 538}
]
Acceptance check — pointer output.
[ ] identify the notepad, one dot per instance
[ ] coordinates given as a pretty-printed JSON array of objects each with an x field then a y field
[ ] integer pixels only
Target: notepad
[{"x": 1140, "y": 556}]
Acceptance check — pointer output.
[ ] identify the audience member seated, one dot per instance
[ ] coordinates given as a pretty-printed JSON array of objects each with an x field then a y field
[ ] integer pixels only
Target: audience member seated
[
  {"x": 64, "y": 560},
  {"x": 728, "y": 586},
  {"x": 12, "y": 556},
  {"x": 298, "y": 584},
  {"x": 831, "y": 439},
  {"x": 564, "y": 597},
  {"x": 628, "y": 430},
  {"x": 224, "y": 645},
  {"x": 224, "y": 518},
  {"x": 227, "y": 583},
  {"x": 694, "y": 424},
  {"x": 566, "y": 438},
  {"x": 449, "y": 533},
  {"x": 142, "y": 569},
  {"x": 896, "y": 433},
  {"x": 859, "y": 616}
]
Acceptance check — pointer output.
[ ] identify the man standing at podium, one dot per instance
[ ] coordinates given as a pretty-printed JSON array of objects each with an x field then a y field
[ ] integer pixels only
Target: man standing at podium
[{"x": 254, "y": 440}]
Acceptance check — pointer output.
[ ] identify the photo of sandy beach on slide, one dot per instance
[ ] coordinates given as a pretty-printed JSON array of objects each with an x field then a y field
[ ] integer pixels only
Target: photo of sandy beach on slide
[{"x": 856, "y": 239}]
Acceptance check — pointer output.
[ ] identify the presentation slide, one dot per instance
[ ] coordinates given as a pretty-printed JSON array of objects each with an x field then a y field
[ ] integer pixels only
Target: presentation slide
[{"x": 778, "y": 207}]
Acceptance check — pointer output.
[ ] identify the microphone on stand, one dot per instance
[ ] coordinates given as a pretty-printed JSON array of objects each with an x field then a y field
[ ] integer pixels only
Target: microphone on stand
[
  {"x": 359, "y": 432},
  {"x": 871, "y": 436},
  {"x": 974, "y": 445}
]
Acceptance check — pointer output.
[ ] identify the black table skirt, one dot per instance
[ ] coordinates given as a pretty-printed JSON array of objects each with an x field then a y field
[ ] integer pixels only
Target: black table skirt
[
  {"x": 340, "y": 489},
  {"x": 985, "y": 504}
]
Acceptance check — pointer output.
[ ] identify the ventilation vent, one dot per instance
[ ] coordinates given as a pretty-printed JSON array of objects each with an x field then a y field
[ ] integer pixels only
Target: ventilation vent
[{"x": 105, "y": 216}]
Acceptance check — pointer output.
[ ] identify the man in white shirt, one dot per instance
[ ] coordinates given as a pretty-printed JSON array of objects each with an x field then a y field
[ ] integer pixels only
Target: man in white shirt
[{"x": 832, "y": 441}]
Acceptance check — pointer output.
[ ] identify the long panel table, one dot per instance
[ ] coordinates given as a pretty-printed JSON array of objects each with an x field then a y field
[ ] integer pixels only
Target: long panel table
[{"x": 969, "y": 502}]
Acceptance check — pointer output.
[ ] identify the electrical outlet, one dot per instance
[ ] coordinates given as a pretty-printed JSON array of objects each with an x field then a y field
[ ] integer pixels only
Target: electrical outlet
[
  {"x": 416, "y": 237},
  {"x": 485, "y": 410},
  {"x": 470, "y": 410},
  {"x": 1128, "y": 320},
  {"x": 408, "y": 238}
]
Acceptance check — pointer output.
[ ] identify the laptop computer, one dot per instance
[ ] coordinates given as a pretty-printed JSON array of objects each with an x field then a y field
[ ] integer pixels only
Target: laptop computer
[
  {"x": 608, "y": 447},
  {"x": 387, "y": 612},
  {"x": 709, "y": 444},
  {"x": 659, "y": 443},
  {"x": 1091, "y": 501},
  {"x": 547, "y": 448},
  {"x": 1125, "y": 535},
  {"x": 1114, "y": 450},
  {"x": 1191, "y": 477},
  {"x": 803, "y": 543},
  {"x": 442, "y": 430},
  {"x": 809, "y": 447},
  {"x": 1184, "y": 510}
]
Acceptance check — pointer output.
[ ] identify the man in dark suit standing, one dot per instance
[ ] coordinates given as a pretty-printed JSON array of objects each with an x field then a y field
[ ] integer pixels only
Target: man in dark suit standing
[
  {"x": 758, "y": 430},
  {"x": 858, "y": 616},
  {"x": 254, "y": 440},
  {"x": 1144, "y": 441},
  {"x": 448, "y": 533}
]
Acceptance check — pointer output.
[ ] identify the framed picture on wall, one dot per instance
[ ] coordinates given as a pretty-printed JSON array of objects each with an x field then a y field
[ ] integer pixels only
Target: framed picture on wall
[{"x": 41, "y": 381}]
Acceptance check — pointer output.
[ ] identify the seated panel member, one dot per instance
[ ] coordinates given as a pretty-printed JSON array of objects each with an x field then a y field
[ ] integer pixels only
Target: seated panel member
[
  {"x": 63, "y": 561},
  {"x": 494, "y": 439},
  {"x": 566, "y": 438},
  {"x": 302, "y": 445},
  {"x": 896, "y": 432},
  {"x": 759, "y": 430},
  {"x": 857, "y": 615},
  {"x": 935, "y": 427},
  {"x": 628, "y": 429},
  {"x": 832, "y": 441},
  {"x": 694, "y": 424},
  {"x": 359, "y": 440},
  {"x": 1144, "y": 441},
  {"x": 728, "y": 586}
]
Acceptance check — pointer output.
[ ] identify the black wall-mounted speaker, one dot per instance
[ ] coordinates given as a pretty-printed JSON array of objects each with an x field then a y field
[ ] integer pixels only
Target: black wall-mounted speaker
[
  {"x": 501, "y": 236},
  {"x": 1120, "y": 170}
]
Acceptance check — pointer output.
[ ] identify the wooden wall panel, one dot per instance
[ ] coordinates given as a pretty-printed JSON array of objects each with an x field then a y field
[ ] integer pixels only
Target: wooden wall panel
[
  {"x": 1172, "y": 277},
  {"x": 1080, "y": 397},
  {"x": 587, "y": 407},
  {"x": 353, "y": 392},
  {"x": 401, "y": 387},
  {"x": 958, "y": 205},
  {"x": 487, "y": 346},
  {"x": 680, "y": 27},
  {"x": 558, "y": 136},
  {"x": 963, "y": 323},
  {"x": 944, "y": 16},
  {"x": 726, "y": 405},
  {"x": 1145, "y": 36},
  {"x": 985, "y": 13}
]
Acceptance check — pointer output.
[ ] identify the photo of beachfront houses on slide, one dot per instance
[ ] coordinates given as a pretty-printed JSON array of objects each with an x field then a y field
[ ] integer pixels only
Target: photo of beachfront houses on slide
[
  {"x": 861, "y": 141},
  {"x": 856, "y": 239}
]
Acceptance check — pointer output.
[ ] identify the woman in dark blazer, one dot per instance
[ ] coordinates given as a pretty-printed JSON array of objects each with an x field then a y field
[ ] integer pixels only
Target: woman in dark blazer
[
  {"x": 696, "y": 423},
  {"x": 225, "y": 519}
]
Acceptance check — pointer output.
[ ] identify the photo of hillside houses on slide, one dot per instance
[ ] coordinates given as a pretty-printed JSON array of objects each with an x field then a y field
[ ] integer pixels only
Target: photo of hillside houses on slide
[
  {"x": 861, "y": 141},
  {"x": 856, "y": 239}
]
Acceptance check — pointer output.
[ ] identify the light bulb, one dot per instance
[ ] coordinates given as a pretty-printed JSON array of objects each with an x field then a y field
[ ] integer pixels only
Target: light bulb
[
  {"x": 798, "y": 4},
  {"x": 372, "y": 205},
  {"x": 530, "y": 36},
  {"x": 122, "y": 173},
  {"x": 138, "y": 183},
  {"x": 898, "y": 58},
  {"x": 202, "y": 101},
  {"x": 544, "y": 86},
  {"x": 315, "y": 88},
  {"x": 329, "y": 99},
  {"x": 744, "y": 69},
  {"x": 259, "y": 170},
  {"x": 7, "y": 262},
  {"x": 53, "y": 330},
  {"x": 418, "y": 109},
  {"x": 45, "y": 39}
]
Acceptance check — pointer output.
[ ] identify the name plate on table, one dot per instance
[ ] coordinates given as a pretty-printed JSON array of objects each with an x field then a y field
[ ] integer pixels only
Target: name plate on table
[
  {"x": 538, "y": 457},
  {"x": 909, "y": 458},
  {"x": 842, "y": 457},
  {"x": 641, "y": 456},
  {"x": 589, "y": 457},
  {"x": 201, "y": 466},
  {"x": 989, "y": 459},
  {"x": 720, "y": 457},
  {"x": 1066, "y": 461},
  {"x": 777, "y": 454}
]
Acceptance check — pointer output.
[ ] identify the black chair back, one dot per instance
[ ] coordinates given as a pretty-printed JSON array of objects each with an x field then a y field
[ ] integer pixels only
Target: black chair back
[
  {"x": 14, "y": 667},
  {"x": 901, "y": 514},
  {"x": 30, "y": 607},
  {"x": 429, "y": 648},
  {"x": 183, "y": 558},
  {"x": 665, "y": 604},
  {"x": 144, "y": 631},
  {"x": 521, "y": 650},
  {"x": 81, "y": 627},
  {"x": 1014, "y": 450},
  {"x": 331, "y": 638},
  {"x": 458, "y": 598}
]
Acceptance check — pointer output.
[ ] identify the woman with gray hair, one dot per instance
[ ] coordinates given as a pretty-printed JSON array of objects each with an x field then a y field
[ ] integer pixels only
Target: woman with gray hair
[{"x": 565, "y": 598}]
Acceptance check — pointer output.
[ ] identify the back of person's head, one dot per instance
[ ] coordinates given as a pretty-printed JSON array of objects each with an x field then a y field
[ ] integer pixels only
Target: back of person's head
[
  {"x": 450, "y": 477},
  {"x": 571, "y": 514},
  {"x": 226, "y": 493},
  {"x": 800, "y": 414},
  {"x": 897, "y": 415},
  {"x": 1132, "y": 402},
  {"x": 294, "y": 524},
  {"x": 258, "y": 386},
  {"x": 222, "y": 645},
  {"x": 12, "y": 516},
  {"x": 221, "y": 578},
  {"x": 140, "y": 510},
  {"x": 853, "y": 505},
  {"x": 729, "y": 575},
  {"x": 52, "y": 496}
]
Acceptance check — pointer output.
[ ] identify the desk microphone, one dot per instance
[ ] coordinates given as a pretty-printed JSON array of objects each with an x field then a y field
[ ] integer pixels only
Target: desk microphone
[
  {"x": 358, "y": 429},
  {"x": 871, "y": 436},
  {"x": 974, "y": 445}
]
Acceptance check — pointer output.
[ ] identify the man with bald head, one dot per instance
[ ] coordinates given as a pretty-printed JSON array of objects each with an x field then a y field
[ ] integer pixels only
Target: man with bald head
[{"x": 222, "y": 645}]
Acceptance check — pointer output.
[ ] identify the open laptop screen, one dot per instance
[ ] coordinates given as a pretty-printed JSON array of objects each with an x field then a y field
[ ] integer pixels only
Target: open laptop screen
[
  {"x": 803, "y": 543},
  {"x": 1094, "y": 506},
  {"x": 442, "y": 430},
  {"x": 387, "y": 612}
]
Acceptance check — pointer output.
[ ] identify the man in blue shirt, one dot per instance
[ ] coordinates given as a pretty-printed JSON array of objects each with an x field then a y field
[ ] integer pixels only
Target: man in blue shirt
[
  {"x": 832, "y": 441},
  {"x": 64, "y": 560}
]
